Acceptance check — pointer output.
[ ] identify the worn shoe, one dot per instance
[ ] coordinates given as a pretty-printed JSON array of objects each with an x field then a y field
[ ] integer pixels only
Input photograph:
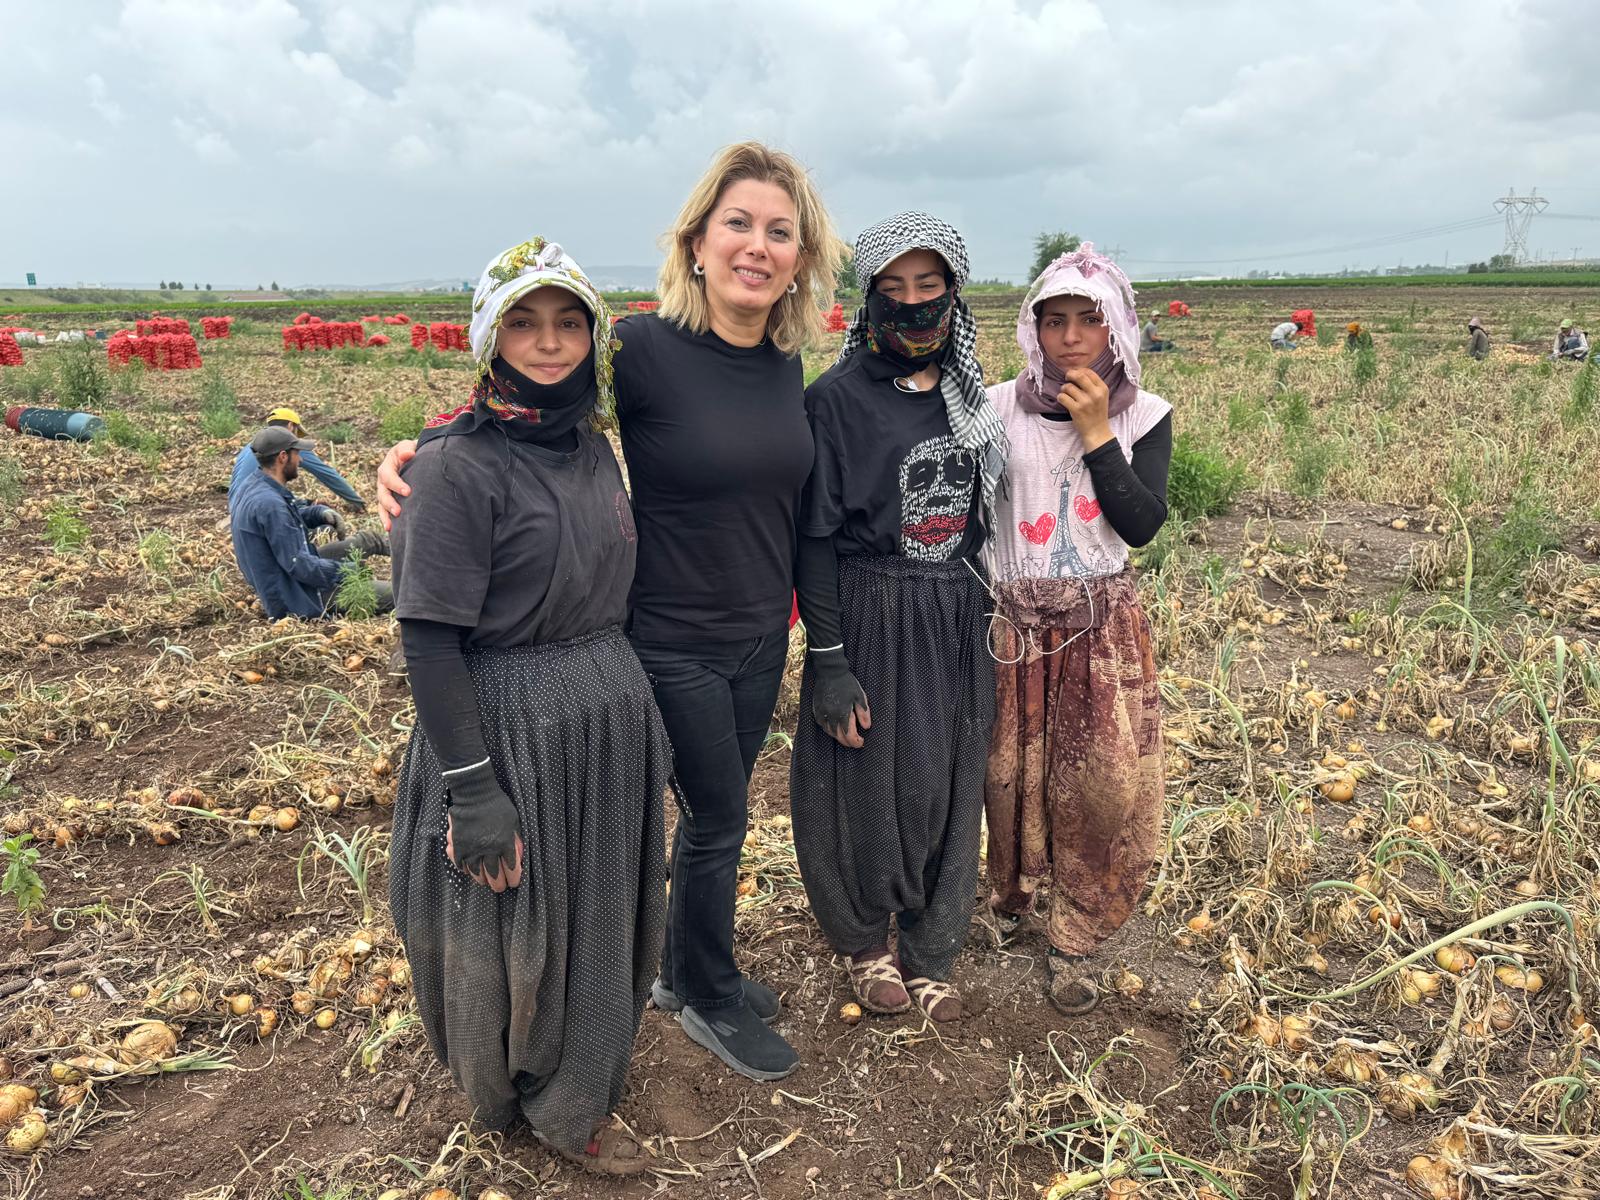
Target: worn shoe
[
  {"x": 875, "y": 979},
  {"x": 763, "y": 1001},
  {"x": 936, "y": 998},
  {"x": 1070, "y": 990},
  {"x": 739, "y": 1038}
]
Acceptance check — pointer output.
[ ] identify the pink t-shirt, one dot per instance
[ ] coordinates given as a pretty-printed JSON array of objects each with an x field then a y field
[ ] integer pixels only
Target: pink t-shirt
[{"x": 1050, "y": 524}]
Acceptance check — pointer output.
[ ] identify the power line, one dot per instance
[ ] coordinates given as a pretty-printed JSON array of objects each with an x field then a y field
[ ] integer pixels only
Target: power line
[{"x": 1375, "y": 243}]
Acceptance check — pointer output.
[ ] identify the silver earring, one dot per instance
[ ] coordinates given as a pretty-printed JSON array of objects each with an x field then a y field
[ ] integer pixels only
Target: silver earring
[
  {"x": 699, "y": 270},
  {"x": 793, "y": 287}
]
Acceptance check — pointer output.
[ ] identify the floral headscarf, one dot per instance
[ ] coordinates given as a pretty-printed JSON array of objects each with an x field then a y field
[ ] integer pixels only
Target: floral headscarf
[
  {"x": 1083, "y": 272},
  {"x": 511, "y": 276}
]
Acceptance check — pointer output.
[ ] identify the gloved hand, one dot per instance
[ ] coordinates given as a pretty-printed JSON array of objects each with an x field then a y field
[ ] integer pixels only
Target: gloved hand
[
  {"x": 341, "y": 527},
  {"x": 371, "y": 543},
  {"x": 837, "y": 702},
  {"x": 481, "y": 835}
]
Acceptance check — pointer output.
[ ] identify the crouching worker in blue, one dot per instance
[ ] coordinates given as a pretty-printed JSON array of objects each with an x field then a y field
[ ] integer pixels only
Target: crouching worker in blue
[{"x": 272, "y": 535}]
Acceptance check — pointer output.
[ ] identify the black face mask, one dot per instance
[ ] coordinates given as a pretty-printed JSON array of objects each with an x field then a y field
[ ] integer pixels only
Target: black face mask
[
  {"x": 912, "y": 335},
  {"x": 542, "y": 413}
]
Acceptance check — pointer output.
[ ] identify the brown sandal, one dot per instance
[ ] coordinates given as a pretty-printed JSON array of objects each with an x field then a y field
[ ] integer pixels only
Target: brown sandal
[
  {"x": 612, "y": 1150},
  {"x": 1073, "y": 993},
  {"x": 875, "y": 979},
  {"x": 935, "y": 997}
]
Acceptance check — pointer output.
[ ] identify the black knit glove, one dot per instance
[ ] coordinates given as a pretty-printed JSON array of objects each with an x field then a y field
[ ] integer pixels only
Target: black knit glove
[
  {"x": 371, "y": 543},
  {"x": 481, "y": 834},
  {"x": 837, "y": 702}
]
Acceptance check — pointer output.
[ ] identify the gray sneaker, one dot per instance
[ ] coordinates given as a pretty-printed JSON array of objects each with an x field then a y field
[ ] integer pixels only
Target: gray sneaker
[
  {"x": 738, "y": 1037},
  {"x": 763, "y": 1001}
]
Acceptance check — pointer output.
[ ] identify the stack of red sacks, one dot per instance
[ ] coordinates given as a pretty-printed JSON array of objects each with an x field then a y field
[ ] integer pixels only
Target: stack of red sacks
[
  {"x": 158, "y": 325},
  {"x": 306, "y": 319},
  {"x": 1307, "y": 320},
  {"x": 836, "y": 319},
  {"x": 447, "y": 336},
  {"x": 10, "y": 352},
  {"x": 378, "y": 339},
  {"x": 216, "y": 327},
  {"x": 643, "y": 305},
  {"x": 158, "y": 351},
  {"x": 373, "y": 320},
  {"x": 397, "y": 319},
  {"x": 1177, "y": 309},
  {"x": 323, "y": 335},
  {"x": 419, "y": 336}
]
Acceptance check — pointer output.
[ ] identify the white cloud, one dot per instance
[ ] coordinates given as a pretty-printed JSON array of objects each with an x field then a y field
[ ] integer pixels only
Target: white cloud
[{"x": 1181, "y": 131}]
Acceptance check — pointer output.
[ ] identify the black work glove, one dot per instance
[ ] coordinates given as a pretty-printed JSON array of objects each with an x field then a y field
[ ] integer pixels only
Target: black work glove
[
  {"x": 321, "y": 515},
  {"x": 837, "y": 702},
  {"x": 481, "y": 835},
  {"x": 371, "y": 543}
]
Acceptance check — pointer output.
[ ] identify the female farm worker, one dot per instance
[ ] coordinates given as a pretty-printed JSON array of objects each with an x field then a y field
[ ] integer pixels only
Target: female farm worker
[
  {"x": 526, "y": 877},
  {"x": 886, "y": 783},
  {"x": 1074, "y": 788},
  {"x": 711, "y": 408}
]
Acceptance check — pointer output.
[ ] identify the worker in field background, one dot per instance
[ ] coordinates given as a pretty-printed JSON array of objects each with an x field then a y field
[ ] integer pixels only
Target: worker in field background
[
  {"x": 1283, "y": 335},
  {"x": 1150, "y": 338},
  {"x": 1357, "y": 338},
  {"x": 244, "y": 466},
  {"x": 1479, "y": 346},
  {"x": 1571, "y": 343},
  {"x": 272, "y": 535}
]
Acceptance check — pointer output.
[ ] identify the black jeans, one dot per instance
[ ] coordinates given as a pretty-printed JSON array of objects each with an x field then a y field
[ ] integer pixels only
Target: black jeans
[{"x": 716, "y": 701}]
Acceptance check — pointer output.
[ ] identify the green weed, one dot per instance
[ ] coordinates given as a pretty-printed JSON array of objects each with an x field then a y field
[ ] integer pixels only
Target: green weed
[
  {"x": 142, "y": 439},
  {"x": 356, "y": 595},
  {"x": 81, "y": 378},
  {"x": 1585, "y": 389},
  {"x": 21, "y": 881},
  {"x": 10, "y": 482},
  {"x": 219, "y": 406},
  {"x": 1365, "y": 367},
  {"x": 401, "y": 421},
  {"x": 1202, "y": 481},
  {"x": 339, "y": 434},
  {"x": 26, "y": 385},
  {"x": 65, "y": 529},
  {"x": 1312, "y": 459}
]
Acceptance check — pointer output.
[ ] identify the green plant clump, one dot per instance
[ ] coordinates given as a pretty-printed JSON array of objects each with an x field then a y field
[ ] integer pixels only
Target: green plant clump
[
  {"x": 81, "y": 378},
  {"x": 401, "y": 421},
  {"x": 65, "y": 529},
  {"x": 1202, "y": 482},
  {"x": 21, "y": 881}
]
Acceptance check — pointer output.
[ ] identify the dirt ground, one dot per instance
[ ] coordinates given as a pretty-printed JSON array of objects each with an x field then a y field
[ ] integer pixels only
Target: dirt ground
[{"x": 1381, "y": 695}]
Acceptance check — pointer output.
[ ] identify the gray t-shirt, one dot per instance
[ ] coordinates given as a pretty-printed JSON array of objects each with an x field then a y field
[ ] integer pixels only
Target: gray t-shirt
[{"x": 517, "y": 542}]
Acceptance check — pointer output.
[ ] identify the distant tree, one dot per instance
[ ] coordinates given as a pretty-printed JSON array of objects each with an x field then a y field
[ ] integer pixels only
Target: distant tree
[
  {"x": 1477, "y": 268},
  {"x": 274, "y": 285},
  {"x": 177, "y": 285},
  {"x": 1048, "y": 247},
  {"x": 1502, "y": 262},
  {"x": 208, "y": 287},
  {"x": 195, "y": 287},
  {"x": 259, "y": 288},
  {"x": 162, "y": 286},
  {"x": 844, "y": 280}
]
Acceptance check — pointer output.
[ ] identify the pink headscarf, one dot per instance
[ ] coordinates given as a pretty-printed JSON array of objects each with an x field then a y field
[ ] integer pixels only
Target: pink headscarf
[{"x": 1081, "y": 272}]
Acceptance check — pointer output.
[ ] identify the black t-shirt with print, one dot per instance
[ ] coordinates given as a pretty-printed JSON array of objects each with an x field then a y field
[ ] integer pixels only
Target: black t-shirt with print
[
  {"x": 718, "y": 449},
  {"x": 889, "y": 477},
  {"x": 515, "y": 541}
]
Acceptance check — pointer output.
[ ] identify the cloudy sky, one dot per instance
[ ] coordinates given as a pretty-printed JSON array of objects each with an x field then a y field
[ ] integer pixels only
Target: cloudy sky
[{"x": 377, "y": 141}]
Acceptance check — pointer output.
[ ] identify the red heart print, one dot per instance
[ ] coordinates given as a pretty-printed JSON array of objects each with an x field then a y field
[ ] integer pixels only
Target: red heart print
[
  {"x": 1086, "y": 508},
  {"x": 1038, "y": 532}
]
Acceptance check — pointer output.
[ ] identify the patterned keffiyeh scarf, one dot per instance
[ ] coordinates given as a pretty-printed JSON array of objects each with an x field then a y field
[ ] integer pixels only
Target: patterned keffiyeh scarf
[{"x": 973, "y": 422}]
